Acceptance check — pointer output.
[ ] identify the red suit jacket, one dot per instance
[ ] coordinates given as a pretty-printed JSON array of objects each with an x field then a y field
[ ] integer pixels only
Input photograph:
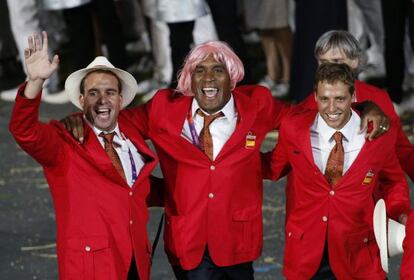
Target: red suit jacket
[
  {"x": 342, "y": 218},
  {"x": 363, "y": 91},
  {"x": 101, "y": 221},
  {"x": 211, "y": 203},
  {"x": 407, "y": 262}
]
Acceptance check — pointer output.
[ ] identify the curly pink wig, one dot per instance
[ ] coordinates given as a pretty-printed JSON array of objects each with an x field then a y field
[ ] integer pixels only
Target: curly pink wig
[{"x": 221, "y": 52}]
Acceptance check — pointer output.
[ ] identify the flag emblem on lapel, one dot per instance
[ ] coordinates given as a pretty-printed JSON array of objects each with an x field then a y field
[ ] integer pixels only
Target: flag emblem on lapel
[
  {"x": 250, "y": 140},
  {"x": 368, "y": 177}
]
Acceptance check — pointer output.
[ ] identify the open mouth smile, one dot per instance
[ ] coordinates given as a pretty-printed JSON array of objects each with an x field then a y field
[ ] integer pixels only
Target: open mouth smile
[{"x": 210, "y": 92}]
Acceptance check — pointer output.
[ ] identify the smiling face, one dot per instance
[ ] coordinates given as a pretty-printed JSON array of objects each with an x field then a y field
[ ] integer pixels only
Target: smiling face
[
  {"x": 335, "y": 55},
  {"x": 101, "y": 100},
  {"x": 210, "y": 83},
  {"x": 334, "y": 103}
]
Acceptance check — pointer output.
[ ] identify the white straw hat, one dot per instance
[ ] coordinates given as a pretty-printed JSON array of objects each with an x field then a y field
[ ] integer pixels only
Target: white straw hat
[
  {"x": 389, "y": 234},
  {"x": 129, "y": 84}
]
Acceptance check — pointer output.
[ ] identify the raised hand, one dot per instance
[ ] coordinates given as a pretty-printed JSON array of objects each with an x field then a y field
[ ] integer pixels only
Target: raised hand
[{"x": 39, "y": 66}]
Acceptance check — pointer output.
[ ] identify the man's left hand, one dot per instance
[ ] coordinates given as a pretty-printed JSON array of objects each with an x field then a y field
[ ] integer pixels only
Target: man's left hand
[{"x": 373, "y": 120}]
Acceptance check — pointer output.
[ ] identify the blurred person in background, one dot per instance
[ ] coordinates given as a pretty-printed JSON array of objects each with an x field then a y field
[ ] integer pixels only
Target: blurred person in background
[{"x": 270, "y": 19}]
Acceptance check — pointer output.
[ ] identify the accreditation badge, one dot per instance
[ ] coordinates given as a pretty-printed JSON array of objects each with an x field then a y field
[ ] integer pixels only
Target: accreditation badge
[
  {"x": 368, "y": 177},
  {"x": 250, "y": 140}
]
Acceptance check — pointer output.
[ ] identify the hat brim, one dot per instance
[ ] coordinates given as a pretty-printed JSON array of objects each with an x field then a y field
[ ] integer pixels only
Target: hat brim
[
  {"x": 129, "y": 84},
  {"x": 380, "y": 232}
]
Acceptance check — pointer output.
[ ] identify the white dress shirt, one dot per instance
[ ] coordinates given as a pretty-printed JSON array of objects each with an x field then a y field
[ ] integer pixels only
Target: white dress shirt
[
  {"x": 322, "y": 141},
  {"x": 125, "y": 145},
  {"x": 220, "y": 129}
]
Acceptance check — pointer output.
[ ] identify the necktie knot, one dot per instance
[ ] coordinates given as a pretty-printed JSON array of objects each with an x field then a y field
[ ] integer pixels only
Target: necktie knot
[
  {"x": 108, "y": 137},
  {"x": 338, "y": 137},
  {"x": 208, "y": 119}
]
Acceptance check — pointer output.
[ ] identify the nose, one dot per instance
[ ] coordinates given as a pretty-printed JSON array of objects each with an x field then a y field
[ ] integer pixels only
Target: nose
[
  {"x": 103, "y": 99},
  {"x": 209, "y": 76},
  {"x": 332, "y": 106}
]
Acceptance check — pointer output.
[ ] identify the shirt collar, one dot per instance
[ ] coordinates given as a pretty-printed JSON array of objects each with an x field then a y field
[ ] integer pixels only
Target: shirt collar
[
  {"x": 228, "y": 110},
  {"x": 348, "y": 131},
  {"x": 97, "y": 131}
]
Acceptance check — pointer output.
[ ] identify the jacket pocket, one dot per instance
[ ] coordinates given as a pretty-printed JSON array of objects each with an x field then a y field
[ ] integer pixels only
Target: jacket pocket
[
  {"x": 362, "y": 253},
  {"x": 174, "y": 235},
  {"x": 88, "y": 258},
  {"x": 293, "y": 245},
  {"x": 248, "y": 229}
]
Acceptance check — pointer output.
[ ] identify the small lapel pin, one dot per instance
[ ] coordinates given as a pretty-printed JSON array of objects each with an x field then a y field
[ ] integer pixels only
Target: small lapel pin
[{"x": 250, "y": 140}]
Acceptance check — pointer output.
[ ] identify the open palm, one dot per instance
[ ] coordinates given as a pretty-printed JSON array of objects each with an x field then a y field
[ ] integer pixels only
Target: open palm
[{"x": 38, "y": 64}]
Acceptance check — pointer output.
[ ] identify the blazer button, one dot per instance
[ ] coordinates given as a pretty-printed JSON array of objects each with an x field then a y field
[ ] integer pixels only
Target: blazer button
[
  {"x": 365, "y": 240},
  {"x": 212, "y": 167},
  {"x": 332, "y": 193},
  {"x": 87, "y": 248},
  {"x": 210, "y": 195},
  {"x": 324, "y": 218},
  {"x": 131, "y": 222},
  {"x": 131, "y": 193},
  {"x": 290, "y": 234}
]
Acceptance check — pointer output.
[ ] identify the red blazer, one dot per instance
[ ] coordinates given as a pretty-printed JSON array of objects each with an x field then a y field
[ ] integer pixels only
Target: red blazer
[
  {"x": 407, "y": 262},
  {"x": 211, "y": 203},
  {"x": 101, "y": 221},
  {"x": 342, "y": 218},
  {"x": 363, "y": 91}
]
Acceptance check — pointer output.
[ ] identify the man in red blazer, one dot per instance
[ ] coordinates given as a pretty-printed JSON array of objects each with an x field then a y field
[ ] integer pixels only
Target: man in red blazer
[
  {"x": 100, "y": 201},
  {"x": 213, "y": 202},
  {"x": 329, "y": 233},
  {"x": 338, "y": 46}
]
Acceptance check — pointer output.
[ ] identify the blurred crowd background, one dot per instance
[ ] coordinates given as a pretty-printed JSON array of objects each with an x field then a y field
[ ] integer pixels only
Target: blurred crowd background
[{"x": 150, "y": 38}]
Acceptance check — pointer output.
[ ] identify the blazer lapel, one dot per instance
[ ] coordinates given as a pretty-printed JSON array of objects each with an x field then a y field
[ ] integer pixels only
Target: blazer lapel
[
  {"x": 304, "y": 137},
  {"x": 149, "y": 157},
  {"x": 170, "y": 127},
  {"x": 246, "y": 118},
  {"x": 98, "y": 156}
]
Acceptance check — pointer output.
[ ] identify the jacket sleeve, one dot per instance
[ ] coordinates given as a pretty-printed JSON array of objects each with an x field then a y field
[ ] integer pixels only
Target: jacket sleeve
[
  {"x": 139, "y": 118},
  {"x": 405, "y": 152},
  {"x": 39, "y": 140},
  {"x": 395, "y": 188},
  {"x": 275, "y": 164}
]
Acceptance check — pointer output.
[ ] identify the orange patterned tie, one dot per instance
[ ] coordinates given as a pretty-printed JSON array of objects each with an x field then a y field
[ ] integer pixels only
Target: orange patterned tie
[
  {"x": 113, "y": 155},
  {"x": 206, "y": 140},
  {"x": 335, "y": 163}
]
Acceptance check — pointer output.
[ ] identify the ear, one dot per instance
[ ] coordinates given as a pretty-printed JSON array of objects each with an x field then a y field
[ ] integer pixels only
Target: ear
[
  {"x": 81, "y": 100},
  {"x": 353, "y": 97},
  {"x": 121, "y": 99},
  {"x": 315, "y": 95}
]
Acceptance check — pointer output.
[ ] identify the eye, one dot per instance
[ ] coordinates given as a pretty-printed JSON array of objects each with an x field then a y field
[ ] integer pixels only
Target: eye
[
  {"x": 199, "y": 70},
  {"x": 92, "y": 93},
  {"x": 219, "y": 69}
]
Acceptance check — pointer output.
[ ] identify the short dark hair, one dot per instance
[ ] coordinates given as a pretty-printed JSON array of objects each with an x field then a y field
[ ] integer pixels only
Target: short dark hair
[
  {"x": 335, "y": 72},
  {"x": 82, "y": 83}
]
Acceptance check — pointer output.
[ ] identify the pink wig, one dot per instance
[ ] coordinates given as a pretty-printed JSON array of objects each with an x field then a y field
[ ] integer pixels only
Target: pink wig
[{"x": 221, "y": 52}]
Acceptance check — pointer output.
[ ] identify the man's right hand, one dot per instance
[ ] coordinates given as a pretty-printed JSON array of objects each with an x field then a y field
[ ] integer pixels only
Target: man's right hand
[
  {"x": 74, "y": 124},
  {"x": 39, "y": 66}
]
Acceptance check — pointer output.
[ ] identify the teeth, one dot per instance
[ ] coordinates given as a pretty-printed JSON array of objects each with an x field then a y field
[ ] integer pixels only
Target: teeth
[
  {"x": 210, "y": 92},
  {"x": 333, "y": 116},
  {"x": 102, "y": 111}
]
